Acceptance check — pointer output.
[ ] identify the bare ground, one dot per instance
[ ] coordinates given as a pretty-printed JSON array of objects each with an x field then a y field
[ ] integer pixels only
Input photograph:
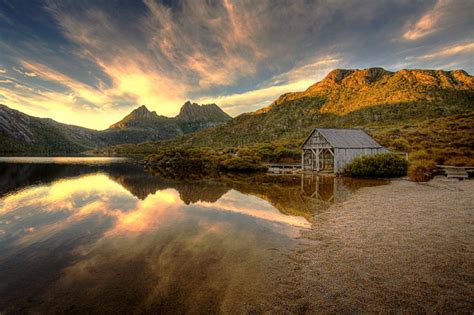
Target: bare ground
[{"x": 403, "y": 247}]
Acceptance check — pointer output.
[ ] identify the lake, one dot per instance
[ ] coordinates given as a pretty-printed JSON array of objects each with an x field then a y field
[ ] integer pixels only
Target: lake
[{"x": 102, "y": 235}]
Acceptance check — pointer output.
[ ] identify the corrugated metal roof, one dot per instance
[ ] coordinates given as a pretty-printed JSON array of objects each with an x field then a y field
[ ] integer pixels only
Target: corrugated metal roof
[{"x": 348, "y": 138}]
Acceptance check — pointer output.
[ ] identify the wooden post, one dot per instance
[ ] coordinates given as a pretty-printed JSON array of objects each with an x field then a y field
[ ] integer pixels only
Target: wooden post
[
  {"x": 317, "y": 160},
  {"x": 302, "y": 160},
  {"x": 302, "y": 183}
]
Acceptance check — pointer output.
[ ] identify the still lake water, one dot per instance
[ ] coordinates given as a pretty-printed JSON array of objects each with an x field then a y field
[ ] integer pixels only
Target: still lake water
[{"x": 98, "y": 235}]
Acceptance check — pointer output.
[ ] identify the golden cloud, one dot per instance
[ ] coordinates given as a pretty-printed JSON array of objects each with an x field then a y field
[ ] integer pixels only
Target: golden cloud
[{"x": 428, "y": 23}]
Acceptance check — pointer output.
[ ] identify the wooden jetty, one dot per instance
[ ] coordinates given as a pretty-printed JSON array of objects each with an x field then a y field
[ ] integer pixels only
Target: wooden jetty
[
  {"x": 281, "y": 168},
  {"x": 459, "y": 172}
]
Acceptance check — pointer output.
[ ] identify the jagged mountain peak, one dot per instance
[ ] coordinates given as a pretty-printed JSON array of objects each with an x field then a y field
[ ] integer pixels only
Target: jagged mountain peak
[
  {"x": 191, "y": 117},
  {"x": 193, "y": 112},
  {"x": 139, "y": 116},
  {"x": 143, "y": 112}
]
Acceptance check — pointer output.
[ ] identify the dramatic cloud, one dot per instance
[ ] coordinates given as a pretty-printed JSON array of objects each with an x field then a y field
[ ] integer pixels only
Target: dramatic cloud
[
  {"x": 91, "y": 62},
  {"x": 297, "y": 79}
]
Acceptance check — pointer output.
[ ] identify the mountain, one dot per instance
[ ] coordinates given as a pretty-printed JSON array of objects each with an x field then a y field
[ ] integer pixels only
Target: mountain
[
  {"x": 20, "y": 132},
  {"x": 193, "y": 117},
  {"x": 349, "y": 90},
  {"x": 139, "y": 118},
  {"x": 385, "y": 103},
  {"x": 23, "y": 133},
  {"x": 369, "y": 98},
  {"x": 192, "y": 112},
  {"x": 141, "y": 125}
]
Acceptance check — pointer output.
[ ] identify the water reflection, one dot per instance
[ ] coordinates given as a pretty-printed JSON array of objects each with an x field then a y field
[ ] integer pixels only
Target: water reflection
[
  {"x": 114, "y": 238},
  {"x": 333, "y": 189}
]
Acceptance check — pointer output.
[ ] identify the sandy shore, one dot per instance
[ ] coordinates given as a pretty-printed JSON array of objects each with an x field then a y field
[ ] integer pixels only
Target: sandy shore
[{"x": 403, "y": 247}]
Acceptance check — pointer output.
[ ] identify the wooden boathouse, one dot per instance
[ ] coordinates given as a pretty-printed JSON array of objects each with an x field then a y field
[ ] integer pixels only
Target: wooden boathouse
[{"x": 329, "y": 150}]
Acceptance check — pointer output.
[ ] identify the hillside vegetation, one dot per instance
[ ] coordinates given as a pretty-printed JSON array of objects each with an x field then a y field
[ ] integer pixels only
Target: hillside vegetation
[{"x": 408, "y": 110}]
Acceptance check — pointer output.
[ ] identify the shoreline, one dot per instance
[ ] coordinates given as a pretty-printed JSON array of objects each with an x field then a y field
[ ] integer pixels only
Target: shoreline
[{"x": 405, "y": 247}]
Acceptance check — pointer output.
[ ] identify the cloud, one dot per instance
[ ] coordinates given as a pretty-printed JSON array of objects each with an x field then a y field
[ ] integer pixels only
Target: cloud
[
  {"x": 2, "y": 70},
  {"x": 211, "y": 42},
  {"x": 25, "y": 73},
  {"x": 252, "y": 100},
  {"x": 450, "y": 51},
  {"x": 428, "y": 23},
  {"x": 297, "y": 79},
  {"x": 132, "y": 72},
  {"x": 239, "y": 54}
]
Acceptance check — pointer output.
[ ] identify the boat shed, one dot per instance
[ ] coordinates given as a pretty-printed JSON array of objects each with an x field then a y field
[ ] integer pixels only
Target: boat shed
[{"x": 329, "y": 150}]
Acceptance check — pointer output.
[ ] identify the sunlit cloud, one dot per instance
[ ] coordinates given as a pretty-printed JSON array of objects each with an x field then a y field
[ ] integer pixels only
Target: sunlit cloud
[
  {"x": 428, "y": 23},
  {"x": 219, "y": 55},
  {"x": 450, "y": 51},
  {"x": 90, "y": 63},
  {"x": 252, "y": 100},
  {"x": 25, "y": 73},
  {"x": 297, "y": 79}
]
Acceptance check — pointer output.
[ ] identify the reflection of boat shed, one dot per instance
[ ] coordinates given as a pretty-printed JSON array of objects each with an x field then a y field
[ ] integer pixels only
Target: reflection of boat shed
[{"x": 331, "y": 149}]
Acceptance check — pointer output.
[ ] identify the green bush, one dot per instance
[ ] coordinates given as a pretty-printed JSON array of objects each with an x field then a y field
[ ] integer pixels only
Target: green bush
[{"x": 379, "y": 165}]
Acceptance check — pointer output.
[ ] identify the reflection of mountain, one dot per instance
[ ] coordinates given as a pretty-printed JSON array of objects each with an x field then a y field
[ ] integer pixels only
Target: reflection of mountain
[
  {"x": 141, "y": 184},
  {"x": 283, "y": 192},
  {"x": 203, "y": 191},
  {"x": 291, "y": 195},
  {"x": 14, "y": 177}
]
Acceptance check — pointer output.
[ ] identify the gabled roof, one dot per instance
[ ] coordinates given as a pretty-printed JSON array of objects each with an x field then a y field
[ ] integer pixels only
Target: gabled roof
[{"x": 346, "y": 138}]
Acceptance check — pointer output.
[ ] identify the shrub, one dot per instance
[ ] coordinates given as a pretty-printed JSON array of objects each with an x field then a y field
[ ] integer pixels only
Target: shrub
[
  {"x": 265, "y": 152},
  {"x": 421, "y": 170},
  {"x": 419, "y": 155},
  {"x": 239, "y": 164},
  {"x": 460, "y": 160},
  {"x": 276, "y": 154},
  {"x": 378, "y": 165}
]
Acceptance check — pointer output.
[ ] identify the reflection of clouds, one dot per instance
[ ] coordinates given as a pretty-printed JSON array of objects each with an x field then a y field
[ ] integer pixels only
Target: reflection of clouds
[
  {"x": 91, "y": 232},
  {"x": 149, "y": 214},
  {"x": 53, "y": 208},
  {"x": 42, "y": 212},
  {"x": 254, "y": 207}
]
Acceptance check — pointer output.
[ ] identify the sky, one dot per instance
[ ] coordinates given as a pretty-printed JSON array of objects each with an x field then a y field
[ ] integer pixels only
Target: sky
[{"x": 89, "y": 63}]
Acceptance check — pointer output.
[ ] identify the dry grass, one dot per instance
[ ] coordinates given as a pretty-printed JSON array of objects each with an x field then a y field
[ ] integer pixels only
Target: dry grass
[{"x": 448, "y": 140}]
